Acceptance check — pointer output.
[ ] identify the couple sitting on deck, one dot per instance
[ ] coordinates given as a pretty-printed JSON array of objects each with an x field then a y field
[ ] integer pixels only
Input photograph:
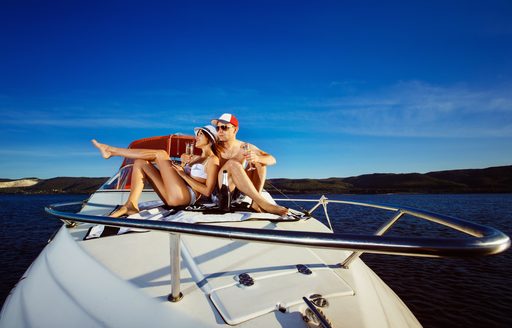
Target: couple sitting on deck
[{"x": 180, "y": 186}]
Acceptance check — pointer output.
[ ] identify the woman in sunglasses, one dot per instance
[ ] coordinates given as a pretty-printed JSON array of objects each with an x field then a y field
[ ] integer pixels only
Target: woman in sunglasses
[{"x": 174, "y": 185}]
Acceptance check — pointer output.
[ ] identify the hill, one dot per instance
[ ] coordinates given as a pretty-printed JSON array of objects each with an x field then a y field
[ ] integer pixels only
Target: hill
[
  {"x": 489, "y": 180},
  {"x": 4, "y": 183},
  {"x": 60, "y": 185}
]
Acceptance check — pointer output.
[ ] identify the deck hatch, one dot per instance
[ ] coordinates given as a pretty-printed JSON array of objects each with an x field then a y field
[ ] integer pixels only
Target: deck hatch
[{"x": 238, "y": 303}]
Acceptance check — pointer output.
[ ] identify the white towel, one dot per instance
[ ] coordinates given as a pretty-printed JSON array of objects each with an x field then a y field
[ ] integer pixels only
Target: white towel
[{"x": 150, "y": 212}]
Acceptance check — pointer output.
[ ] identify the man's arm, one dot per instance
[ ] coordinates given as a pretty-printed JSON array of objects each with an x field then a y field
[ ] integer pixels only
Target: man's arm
[{"x": 258, "y": 156}]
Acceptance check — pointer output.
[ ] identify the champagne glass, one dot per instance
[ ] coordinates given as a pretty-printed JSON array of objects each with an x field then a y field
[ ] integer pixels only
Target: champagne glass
[
  {"x": 189, "y": 150},
  {"x": 247, "y": 152}
]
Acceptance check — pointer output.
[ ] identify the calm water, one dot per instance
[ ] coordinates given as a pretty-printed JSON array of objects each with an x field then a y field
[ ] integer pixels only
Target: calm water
[{"x": 440, "y": 292}]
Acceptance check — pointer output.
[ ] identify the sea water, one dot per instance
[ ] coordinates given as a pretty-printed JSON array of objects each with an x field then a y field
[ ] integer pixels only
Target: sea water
[{"x": 474, "y": 292}]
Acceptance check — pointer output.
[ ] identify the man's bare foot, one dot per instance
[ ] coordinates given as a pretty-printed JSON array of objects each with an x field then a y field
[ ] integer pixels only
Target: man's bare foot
[
  {"x": 124, "y": 210},
  {"x": 274, "y": 209},
  {"x": 105, "y": 153},
  {"x": 256, "y": 207}
]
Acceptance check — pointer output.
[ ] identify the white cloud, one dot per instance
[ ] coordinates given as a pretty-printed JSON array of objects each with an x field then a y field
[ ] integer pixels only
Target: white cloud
[
  {"x": 419, "y": 109},
  {"x": 106, "y": 118},
  {"x": 50, "y": 152},
  {"x": 409, "y": 108},
  {"x": 405, "y": 109}
]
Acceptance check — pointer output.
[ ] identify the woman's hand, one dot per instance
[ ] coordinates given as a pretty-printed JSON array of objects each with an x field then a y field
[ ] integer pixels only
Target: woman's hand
[
  {"x": 185, "y": 159},
  {"x": 178, "y": 169}
]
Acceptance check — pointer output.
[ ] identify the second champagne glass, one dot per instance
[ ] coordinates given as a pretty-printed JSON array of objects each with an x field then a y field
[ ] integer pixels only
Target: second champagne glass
[{"x": 247, "y": 152}]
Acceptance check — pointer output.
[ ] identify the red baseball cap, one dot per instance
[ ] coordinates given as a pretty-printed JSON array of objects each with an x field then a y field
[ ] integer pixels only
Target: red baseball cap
[{"x": 226, "y": 118}]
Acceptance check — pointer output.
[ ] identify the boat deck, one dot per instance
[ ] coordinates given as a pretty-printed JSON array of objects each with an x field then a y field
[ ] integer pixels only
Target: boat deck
[{"x": 211, "y": 268}]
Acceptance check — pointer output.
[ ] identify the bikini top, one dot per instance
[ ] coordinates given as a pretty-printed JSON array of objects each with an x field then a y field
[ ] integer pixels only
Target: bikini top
[{"x": 198, "y": 170}]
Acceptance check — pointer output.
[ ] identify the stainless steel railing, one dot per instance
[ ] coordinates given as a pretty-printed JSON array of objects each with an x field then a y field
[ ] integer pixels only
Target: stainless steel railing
[
  {"x": 489, "y": 240},
  {"x": 486, "y": 240},
  {"x": 486, "y": 237}
]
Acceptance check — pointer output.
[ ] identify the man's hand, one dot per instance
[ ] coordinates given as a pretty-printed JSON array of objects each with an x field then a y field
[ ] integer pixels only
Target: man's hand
[{"x": 252, "y": 157}]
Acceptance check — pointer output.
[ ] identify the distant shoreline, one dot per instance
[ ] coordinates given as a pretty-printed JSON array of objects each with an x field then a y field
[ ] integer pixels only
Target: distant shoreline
[{"x": 489, "y": 180}]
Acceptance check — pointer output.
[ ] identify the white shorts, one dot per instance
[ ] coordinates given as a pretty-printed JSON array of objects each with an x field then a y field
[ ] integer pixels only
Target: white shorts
[{"x": 193, "y": 197}]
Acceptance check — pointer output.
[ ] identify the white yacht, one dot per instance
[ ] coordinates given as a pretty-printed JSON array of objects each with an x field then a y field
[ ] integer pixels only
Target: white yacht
[{"x": 196, "y": 267}]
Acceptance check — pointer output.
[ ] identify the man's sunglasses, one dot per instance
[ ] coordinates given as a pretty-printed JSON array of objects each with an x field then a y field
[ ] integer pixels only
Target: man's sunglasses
[{"x": 223, "y": 127}]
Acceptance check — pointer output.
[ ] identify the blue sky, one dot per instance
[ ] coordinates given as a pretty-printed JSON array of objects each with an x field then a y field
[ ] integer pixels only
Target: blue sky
[{"x": 330, "y": 88}]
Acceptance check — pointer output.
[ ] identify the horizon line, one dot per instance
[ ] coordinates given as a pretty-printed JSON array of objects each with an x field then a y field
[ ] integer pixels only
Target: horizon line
[{"x": 459, "y": 169}]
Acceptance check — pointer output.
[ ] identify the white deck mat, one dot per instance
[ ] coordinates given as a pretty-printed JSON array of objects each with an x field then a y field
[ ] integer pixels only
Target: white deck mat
[{"x": 154, "y": 210}]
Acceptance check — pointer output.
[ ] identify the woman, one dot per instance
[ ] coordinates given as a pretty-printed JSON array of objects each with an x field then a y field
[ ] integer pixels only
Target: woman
[{"x": 170, "y": 181}]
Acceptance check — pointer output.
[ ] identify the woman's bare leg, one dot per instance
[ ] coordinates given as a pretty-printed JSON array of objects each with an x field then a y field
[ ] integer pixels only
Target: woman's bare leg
[
  {"x": 137, "y": 183},
  {"x": 109, "y": 151},
  {"x": 165, "y": 188},
  {"x": 169, "y": 183},
  {"x": 242, "y": 182},
  {"x": 166, "y": 182},
  {"x": 132, "y": 204}
]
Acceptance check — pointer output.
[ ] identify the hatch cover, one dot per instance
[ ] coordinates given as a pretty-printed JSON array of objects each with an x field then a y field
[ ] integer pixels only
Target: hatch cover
[{"x": 238, "y": 303}]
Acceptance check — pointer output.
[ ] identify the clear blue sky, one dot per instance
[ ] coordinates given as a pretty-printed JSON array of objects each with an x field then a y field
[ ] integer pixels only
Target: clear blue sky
[{"x": 331, "y": 88}]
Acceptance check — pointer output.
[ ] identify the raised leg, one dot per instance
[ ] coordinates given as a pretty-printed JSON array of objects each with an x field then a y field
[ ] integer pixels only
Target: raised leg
[{"x": 109, "y": 151}]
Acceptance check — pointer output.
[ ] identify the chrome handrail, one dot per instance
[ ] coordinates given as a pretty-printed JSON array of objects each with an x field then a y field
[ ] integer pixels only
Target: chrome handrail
[
  {"x": 489, "y": 240},
  {"x": 467, "y": 227},
  {"x": 483, "y": 233}
]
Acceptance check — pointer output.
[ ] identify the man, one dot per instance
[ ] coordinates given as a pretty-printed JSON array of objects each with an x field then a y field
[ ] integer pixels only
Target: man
[{"x": 232, "y": 159}]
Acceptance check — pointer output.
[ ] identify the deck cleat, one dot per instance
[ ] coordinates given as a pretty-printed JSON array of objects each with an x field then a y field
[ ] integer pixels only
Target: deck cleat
[
  {"x": 245, "y": 279},
  {"x": 303, "y": 269}
]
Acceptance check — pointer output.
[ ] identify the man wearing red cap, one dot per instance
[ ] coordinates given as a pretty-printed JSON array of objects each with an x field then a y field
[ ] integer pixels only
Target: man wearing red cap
[{"x": 234, "y": 154}]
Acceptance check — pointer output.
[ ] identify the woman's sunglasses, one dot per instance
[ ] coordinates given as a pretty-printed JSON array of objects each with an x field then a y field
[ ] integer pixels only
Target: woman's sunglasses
[{"x": 223, "y": 127}]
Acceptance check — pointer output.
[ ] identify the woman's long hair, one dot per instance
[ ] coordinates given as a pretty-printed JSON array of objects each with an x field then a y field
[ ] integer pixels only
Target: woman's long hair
[{"x": 215, "y": 146}]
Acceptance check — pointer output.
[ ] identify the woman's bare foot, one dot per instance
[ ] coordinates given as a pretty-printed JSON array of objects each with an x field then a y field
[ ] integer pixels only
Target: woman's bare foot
[
  {"x": 105, "y": 153},
  {"x": 124, "y": 210}
]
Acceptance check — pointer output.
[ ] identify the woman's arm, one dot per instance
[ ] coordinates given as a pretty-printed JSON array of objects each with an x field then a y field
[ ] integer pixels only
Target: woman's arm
[
  {"x": 189, "y": 159},
  {"x": 206, "y": 188}
]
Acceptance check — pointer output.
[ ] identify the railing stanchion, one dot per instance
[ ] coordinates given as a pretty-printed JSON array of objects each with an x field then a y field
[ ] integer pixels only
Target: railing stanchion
[
  {"x": 175, "y": 294},
  {"x": 382, "y": 230},
  {"x": 316, "y": 206},
  {"x": 324, "y": 200}
]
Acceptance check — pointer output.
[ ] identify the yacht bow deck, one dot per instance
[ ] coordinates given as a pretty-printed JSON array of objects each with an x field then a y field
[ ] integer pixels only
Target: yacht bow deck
[{"x": 210, "y": 281}]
